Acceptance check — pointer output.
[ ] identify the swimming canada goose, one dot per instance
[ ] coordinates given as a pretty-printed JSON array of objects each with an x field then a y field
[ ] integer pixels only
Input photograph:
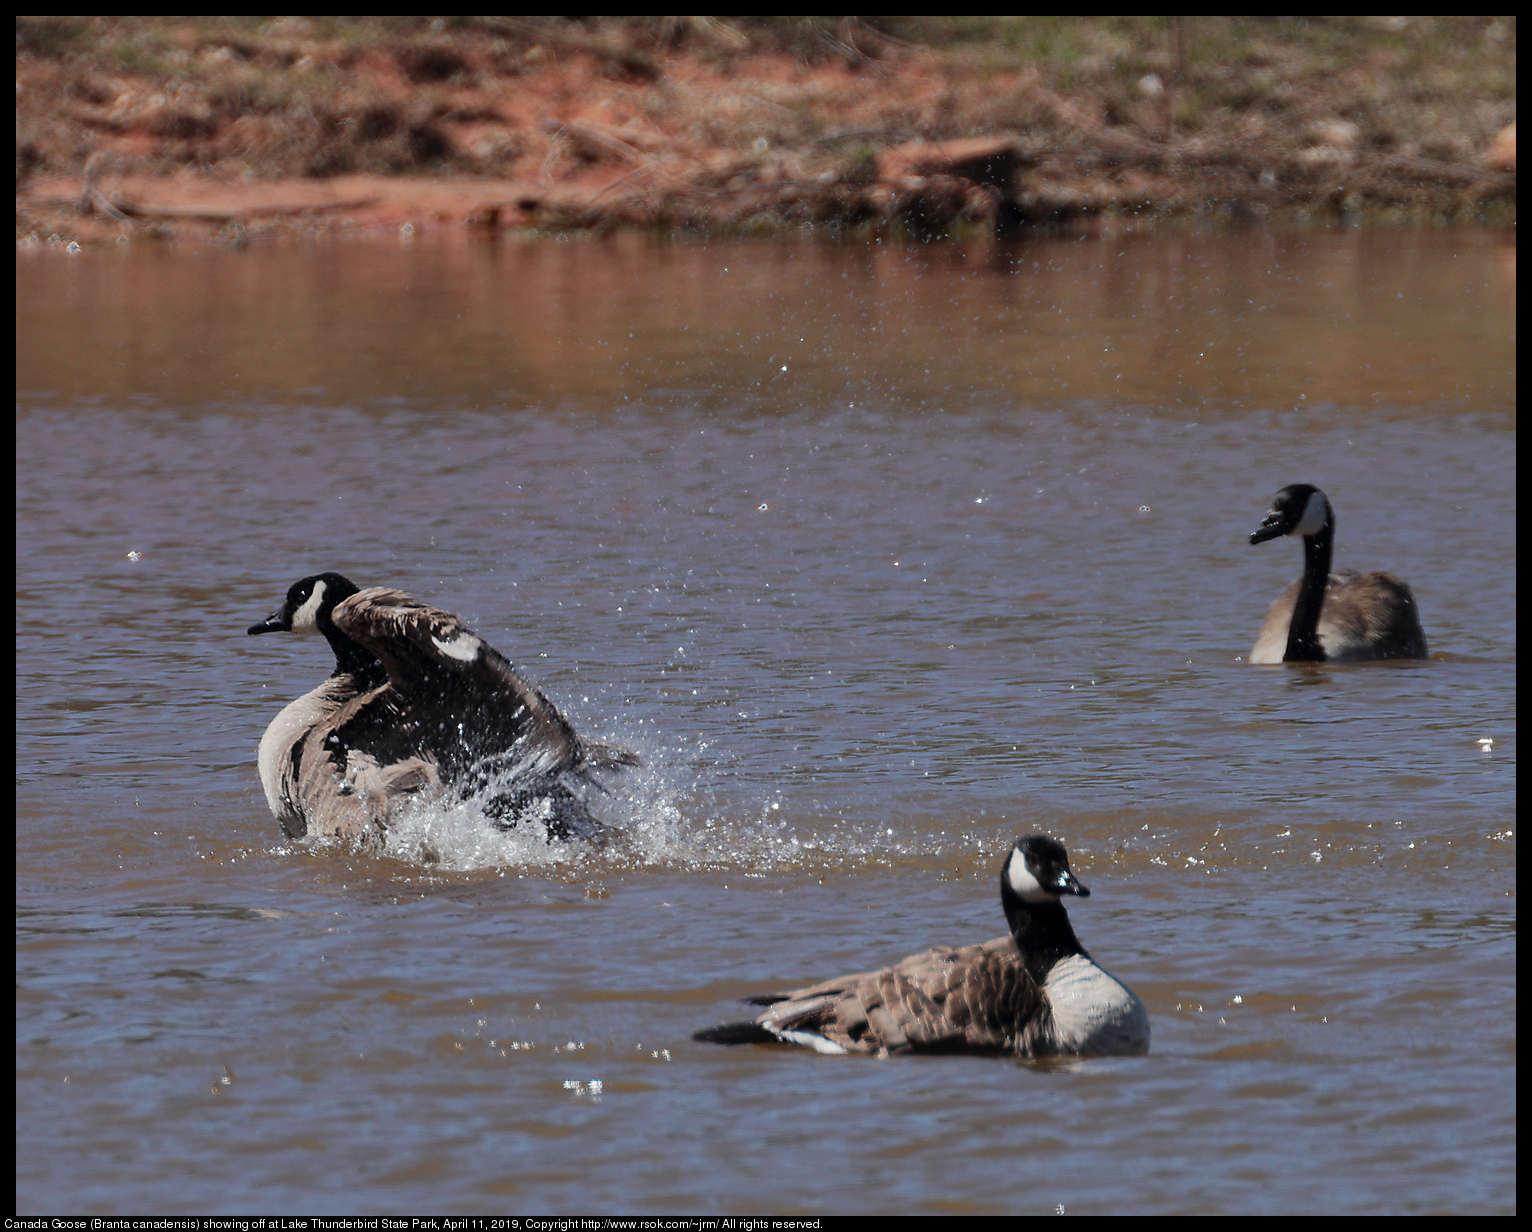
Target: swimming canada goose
[
  {"x": 1331, "y": 617},
  {"x": 1033, "y": 993},
  {"x": 417, "y": 705}
]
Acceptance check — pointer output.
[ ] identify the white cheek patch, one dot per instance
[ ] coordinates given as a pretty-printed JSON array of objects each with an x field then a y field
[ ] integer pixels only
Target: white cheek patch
[
  {"x": 463, "y": 647},
  {"x": 1315, "y": 514},
  {"x": 306, "y": 618},
  {"x": 1027, "y": 887}
]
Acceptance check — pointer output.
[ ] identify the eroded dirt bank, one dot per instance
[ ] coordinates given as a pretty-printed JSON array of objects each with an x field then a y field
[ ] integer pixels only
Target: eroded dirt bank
[{"x": 902, "y": 127}]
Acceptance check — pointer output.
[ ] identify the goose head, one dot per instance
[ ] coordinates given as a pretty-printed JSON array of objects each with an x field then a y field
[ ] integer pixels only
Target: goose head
[
  {"x": 1298, "y": 509},
  {"x": 308, "y": 606},
  {"x": 1037, "y": 872},
  {"x": 307, "y": 610}
]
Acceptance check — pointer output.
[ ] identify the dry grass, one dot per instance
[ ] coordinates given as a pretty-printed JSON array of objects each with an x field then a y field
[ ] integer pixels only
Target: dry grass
[{"x": 701, "y": 122}]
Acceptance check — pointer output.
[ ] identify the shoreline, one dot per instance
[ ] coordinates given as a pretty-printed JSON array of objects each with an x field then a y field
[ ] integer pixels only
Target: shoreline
[{"x": 233, "y": 129}]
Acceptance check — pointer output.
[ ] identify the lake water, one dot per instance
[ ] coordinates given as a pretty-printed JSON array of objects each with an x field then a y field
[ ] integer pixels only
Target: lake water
[{"x": 880, "y": 557}]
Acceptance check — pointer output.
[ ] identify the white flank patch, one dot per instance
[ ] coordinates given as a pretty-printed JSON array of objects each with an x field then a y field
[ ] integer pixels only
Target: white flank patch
[
  {"x": 1027, "y": 887},
  {"x": 307, "y": 616},
  {"x": 463, "y": 647},
  {"x": 812, "y": 1039},
  {"x": 1315, "y": 514}
]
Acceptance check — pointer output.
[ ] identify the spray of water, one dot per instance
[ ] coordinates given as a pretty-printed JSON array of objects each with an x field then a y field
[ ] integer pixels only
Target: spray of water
[{"x": 669, "y": 812}]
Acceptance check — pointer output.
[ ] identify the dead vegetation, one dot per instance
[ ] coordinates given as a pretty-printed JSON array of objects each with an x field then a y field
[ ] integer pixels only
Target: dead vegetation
[{"x": 914, "y": 127}]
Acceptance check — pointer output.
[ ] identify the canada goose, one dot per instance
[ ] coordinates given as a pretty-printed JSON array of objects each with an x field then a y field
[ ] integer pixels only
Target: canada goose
[
  {"x": 1324, "y": 616},
  {"x": 1033, "y": 993},
  {"x": 417, "y": 704}
]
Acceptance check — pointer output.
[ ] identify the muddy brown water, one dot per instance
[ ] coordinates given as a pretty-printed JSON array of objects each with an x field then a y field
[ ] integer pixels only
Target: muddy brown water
[{"x": 880, "y": 557}]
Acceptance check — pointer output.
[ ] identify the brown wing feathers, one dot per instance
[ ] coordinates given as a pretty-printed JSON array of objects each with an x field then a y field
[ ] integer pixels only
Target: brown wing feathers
[
  {"x": 973, "y": 998},
  {"x": 493, "y": 708}
]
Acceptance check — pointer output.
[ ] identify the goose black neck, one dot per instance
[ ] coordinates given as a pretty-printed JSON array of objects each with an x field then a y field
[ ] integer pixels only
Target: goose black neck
[
  {"x": 1303, "y": 632},
  {"x": 350, "y": 656},
  {"x": 1042, "y": 931}
]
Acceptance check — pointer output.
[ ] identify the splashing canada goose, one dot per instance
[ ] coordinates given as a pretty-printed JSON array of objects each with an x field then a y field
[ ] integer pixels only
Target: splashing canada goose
[
  {"x": 1334, "y": 617},
  {"x": 417, "y": 705},
  {"x": 1033, "y": 993}
]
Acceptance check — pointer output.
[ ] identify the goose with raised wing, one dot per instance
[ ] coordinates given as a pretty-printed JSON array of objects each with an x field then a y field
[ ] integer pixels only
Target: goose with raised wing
[{"x": 418, "y": 706}]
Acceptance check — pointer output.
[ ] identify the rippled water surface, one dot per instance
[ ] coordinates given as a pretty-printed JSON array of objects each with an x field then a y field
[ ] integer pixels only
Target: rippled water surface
[{"x": 880, "y": 558}]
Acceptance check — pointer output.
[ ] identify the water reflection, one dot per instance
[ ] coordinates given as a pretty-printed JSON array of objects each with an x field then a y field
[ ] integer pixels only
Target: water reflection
[{"x": 1376, "y": 319}]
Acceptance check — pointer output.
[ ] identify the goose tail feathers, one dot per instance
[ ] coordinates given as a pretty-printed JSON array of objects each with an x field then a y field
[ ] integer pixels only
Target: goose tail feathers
[{"x": 736, "y": 1033}]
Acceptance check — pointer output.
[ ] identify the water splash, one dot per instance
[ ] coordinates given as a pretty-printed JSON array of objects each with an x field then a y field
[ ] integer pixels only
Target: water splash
[{"x": 669, "y": 813}]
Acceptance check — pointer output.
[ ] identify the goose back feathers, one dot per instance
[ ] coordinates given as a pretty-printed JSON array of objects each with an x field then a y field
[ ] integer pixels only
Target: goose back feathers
[
  {"x": 1033, "y": 993},
  {"x": 417, "y": 705},
  {"x": 1331, "y": 617}
]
